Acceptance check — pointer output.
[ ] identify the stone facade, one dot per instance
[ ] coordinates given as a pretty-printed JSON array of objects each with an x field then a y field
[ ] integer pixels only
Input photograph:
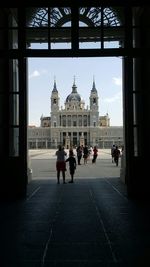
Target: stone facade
[{"x": 74, "y": 124}]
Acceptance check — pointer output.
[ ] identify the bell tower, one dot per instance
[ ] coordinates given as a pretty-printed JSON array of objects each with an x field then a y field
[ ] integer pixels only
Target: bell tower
[
  {"x": 94, "y": 108},
  {"x": 94, "y": 98},
  {"x": 55, "y": 98}
]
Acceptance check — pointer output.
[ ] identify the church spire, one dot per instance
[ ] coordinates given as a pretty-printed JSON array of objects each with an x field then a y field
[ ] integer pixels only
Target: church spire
[
  {"x": 55, "y": 87},
  {"x": 74, "y": 87},
  {"x": 74, "y": 79},
  {"x": 94, "y": 87}
]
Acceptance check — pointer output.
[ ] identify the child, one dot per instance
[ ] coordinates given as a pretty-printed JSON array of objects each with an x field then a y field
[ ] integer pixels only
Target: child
[{"x": 72, "y": 165}]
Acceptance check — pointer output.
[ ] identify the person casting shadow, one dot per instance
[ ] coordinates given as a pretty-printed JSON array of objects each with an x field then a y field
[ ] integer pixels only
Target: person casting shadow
[
  {"x": 72, "y": 165},
  {"x": 61, "y": 163}
]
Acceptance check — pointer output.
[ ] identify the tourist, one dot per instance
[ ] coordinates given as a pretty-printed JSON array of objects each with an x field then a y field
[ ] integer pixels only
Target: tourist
[
  {"x": 61, "y": 163},
  {"x": 72, "y": 165},
  {"x": 95, "y": 154},
  {"x": 112, "y": 152}
]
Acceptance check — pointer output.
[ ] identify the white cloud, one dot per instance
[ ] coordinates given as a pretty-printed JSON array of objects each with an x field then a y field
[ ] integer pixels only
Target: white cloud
[
  {"x": 117, "y": 81},
  {"x": 37, "y": 73},
  {"x": 113, "y": 99},
  {"x": 34, "y": 74}
]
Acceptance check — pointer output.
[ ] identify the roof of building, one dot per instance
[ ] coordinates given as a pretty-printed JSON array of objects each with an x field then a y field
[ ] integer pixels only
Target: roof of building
[{"x": 74, "y": 96}]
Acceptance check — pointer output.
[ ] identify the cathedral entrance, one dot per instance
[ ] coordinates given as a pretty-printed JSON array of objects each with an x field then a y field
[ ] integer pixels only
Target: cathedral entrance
[{"x": 75, "y": 141}]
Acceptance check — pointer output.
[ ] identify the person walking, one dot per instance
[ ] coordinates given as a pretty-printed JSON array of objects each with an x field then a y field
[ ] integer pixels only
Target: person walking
[
  {"x": 112, "y": 152},
  {"x": 61, "y": 163},
  {"x": 95, "y": 154},
  {"x": 85, "y": 154},
  {"x": 116, "y": 155},
  {"x": 79, "y": 154},
  {"x": 71, "y": 151},
  {"x": 72, "y": 165}
]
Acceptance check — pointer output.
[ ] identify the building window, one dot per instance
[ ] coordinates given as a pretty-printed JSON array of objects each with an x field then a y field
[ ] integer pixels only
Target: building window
[
  {"x": 54, "y": 123},
  {"x": 94, "y": 100},
  {"x": 74, "y": 123},
  {"x": 69, "y": 122},
  {"x": 94, "y": 124},
  {"x": 80, "y": 122}
]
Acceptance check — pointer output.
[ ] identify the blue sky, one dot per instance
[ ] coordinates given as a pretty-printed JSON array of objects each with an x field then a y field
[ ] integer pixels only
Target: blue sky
[{"x": 107, "y": 73}]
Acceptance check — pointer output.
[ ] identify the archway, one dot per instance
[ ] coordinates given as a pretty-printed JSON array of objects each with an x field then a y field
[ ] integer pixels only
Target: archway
[{"x": 99, "y": 24}]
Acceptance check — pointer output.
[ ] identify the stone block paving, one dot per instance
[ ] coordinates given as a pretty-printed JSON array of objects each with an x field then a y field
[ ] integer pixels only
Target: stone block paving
[{"x": 90, "y": 223}]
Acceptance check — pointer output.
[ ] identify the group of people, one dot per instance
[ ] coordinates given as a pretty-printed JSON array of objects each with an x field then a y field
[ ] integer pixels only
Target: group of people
[
  {"x": 86, "y": 152},
  {"x": 62, "y": 159},
  {"x": 61, "y": 164},
  {"x": 81, "y": 152}
]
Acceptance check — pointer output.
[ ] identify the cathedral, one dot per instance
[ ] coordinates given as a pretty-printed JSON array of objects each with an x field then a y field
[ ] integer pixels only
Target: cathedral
[{"x": 74, "y": 124}]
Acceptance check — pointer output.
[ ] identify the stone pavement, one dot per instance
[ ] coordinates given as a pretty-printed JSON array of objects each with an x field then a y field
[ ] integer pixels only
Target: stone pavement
[{"x": 90, "y": 223}]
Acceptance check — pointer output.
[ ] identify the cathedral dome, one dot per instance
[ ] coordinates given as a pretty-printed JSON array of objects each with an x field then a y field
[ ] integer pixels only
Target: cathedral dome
[{"x": 74, "y": 96}]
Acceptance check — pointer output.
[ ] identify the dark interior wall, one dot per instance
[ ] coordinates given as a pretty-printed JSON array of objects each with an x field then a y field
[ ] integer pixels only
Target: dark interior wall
[
  {"x": 136, "y": 108},
  {"x": 4, "y": 85},
  {"x": 141, "y": 78},
  {"x": 145, "y": 79},
  {"x": 13, "y": 167}
]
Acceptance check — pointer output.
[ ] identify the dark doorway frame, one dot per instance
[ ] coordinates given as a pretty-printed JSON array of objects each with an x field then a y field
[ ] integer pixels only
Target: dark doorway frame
[{"x": 9, "y": 53}]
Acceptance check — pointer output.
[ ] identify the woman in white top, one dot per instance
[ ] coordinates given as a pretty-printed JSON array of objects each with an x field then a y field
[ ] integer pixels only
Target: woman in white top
[{"x": 60, "y": 163}]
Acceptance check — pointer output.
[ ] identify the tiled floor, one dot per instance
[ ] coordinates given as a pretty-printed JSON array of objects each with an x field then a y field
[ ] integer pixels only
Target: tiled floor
[{"x": 89, "y": 223}]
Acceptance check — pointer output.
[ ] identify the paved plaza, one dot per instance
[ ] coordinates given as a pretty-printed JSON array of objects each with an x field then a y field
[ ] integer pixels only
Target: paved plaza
[{"x": 42, "y": 163}]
